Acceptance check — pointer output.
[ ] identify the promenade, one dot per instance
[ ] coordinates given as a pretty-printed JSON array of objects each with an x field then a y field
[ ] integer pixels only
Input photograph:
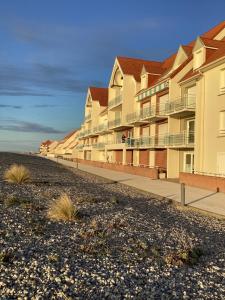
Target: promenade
[{"x": 195, "y": 197}]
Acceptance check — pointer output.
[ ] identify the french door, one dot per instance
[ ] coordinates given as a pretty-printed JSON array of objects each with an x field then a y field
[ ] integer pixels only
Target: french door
[{"x": 189, "y": 162}]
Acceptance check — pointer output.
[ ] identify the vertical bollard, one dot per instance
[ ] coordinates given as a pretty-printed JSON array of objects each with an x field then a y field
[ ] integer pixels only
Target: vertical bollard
[
  {"x": 182, "y": 192},
  {"x": 77, "y": 162}
]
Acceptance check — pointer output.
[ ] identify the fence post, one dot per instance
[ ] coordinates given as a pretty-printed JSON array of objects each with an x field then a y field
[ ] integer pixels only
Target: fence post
[{"x": 182, "y": 192}]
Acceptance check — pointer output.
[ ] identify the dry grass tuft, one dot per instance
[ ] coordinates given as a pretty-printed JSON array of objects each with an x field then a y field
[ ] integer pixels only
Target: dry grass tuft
[
  {"x": 17, "y": 174},
  {"x": 62, "y": 209}
]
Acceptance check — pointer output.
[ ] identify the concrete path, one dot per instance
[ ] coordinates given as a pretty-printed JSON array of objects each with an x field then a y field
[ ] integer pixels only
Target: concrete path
[{"x": 199, "y": 198}]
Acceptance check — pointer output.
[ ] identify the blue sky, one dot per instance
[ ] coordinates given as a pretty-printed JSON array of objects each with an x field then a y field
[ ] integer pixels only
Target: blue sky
[{"x": 52, "y": 50}]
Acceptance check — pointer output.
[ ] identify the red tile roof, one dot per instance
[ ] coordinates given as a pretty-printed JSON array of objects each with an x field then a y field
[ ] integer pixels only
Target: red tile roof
[
  {"x": 214, "y": 31},
  {"x": 46, "y": 143},
  {"x": 99, "y": 94},
  {"x": 212, "y": 43},
  {"x": 217, "y": 54},
  {"x": 189, "y": 75},
  {"x": 133, "y": 66}
]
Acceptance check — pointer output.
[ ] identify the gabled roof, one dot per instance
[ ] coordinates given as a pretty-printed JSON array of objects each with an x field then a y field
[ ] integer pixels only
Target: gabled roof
[
  {"x": 217, "y": 54},
  {"x": 214, "y": 31},
  {"x": 69, "y": 135},
  {"x": 133, "y": 66},
  {"x": 212, "y": 43},
  {"x": 46, "y": 143},
  {"x": 99, "y": 94}
]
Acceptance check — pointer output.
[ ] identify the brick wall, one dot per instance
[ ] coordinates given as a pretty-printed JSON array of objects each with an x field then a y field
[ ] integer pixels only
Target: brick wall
[
  {"x": 211, "y": 183},
  {"x": 146, "y": 172}
]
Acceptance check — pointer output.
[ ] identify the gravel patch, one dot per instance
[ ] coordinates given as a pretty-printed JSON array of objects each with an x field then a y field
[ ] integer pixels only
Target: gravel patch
[{"x": 125, "y": 245}]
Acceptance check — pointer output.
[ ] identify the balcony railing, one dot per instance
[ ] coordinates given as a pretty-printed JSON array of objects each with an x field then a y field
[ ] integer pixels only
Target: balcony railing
[
  {"x": 186, "y": 103},
  {"x": 87, "y": 132},
  {"x": 99, "y": 145},
  {"x": 153, "y": 111},
  {"x": 133, "y": 117},
  {"x": 103, "y": 127},
  {"x": 184, "y": 139},
  {"x": 115, "y": 123},
  {"x": 88, "y": 117},
  {"x": 114, "y": 102},
  {"x": 79, "y": 147}
]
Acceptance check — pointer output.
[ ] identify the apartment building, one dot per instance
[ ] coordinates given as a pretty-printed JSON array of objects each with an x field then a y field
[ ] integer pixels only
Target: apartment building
[
  {"x": 92, "y": 134},
  {"x": 64, "y": 147},
  {"x": 161, "y": 119},
  {"x": 157, "y": 111},
  {"x": 44, "y": 147}
]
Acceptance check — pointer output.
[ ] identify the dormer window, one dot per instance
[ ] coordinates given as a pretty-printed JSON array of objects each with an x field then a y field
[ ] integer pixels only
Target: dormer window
[
  {"x": 199, "y": 58},
  {"x": 144, "y": 81}
]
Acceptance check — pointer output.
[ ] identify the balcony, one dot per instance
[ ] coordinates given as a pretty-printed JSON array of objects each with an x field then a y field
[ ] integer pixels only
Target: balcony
[
  {"x": 87, "y": 118},
  {"x": 181, "y": 139},
  {"x": 115, "y": 102},
  {"x": 135, "y": 118},
  {"x": 81, "y": 134},
  {"x": 103, "y": 128},
  {"x": 153, "y": 113},
  {"x": 115, "y": 123},
  {"x": 87, "y": 132},
  {"x": 181, "y": 107},
  {"x": 80, "y": 147},
  {"x": 177, "y": 140},
  {"x": 99, "y": 146}
]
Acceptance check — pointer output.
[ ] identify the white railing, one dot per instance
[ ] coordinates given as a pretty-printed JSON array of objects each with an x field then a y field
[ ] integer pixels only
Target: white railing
[
  {"x": 115, "y": 123},
  {"x": 115, "y": 101},
  {"x": 188, "y": 102}
]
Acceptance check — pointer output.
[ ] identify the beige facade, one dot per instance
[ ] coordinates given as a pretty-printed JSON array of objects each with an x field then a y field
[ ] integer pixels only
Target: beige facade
[{"x": 167, "y": 115}]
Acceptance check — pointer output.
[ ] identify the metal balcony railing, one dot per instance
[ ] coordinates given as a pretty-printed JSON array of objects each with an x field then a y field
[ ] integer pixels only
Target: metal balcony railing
[
  {"x": 115, "y": 101},
  {"x": 153, "y": 111},
  {"x": 181, "y": 139},
  {"x": 133, "y": 117},
  {"x": 103, "y": 127},
  {"x": 115, "y": 123},
  {"x": 88, "y": 117},
  {"x": 99, "y": 145},
  {"x": 187, "y": 102},
  {"x": 79, "y": 147}
]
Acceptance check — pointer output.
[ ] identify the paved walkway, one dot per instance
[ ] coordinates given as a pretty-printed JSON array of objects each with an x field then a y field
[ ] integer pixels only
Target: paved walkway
[{"x": 199, "y": 198}]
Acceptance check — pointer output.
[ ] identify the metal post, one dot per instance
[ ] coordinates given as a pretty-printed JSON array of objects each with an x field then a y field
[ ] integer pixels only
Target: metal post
[
  {"x": 77, "y": 162},
  {"x": 182, "y": 192}
]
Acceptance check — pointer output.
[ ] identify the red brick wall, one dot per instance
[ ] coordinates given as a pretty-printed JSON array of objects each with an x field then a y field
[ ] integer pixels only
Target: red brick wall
[
  {"x": 146, "y": 172},
  {"x": 212, "y": 183},
  {"x": 161, "y": 158},
  {"x": 144, "y": 157},
  {"x": 119, "y": 156},
  {"x": 129, "y": 156}
]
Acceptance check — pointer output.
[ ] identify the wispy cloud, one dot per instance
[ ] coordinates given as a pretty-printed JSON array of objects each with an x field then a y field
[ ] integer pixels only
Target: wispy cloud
[
  {"x": 11, "y": 106},
  {"x": 40, "y": 80},
  {"x": 24, "y": 126},
  {"x": 45, "y": 105}
]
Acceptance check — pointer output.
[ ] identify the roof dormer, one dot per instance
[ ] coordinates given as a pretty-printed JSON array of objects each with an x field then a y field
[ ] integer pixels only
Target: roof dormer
[
  {"x": 182, "y": 56},
  {"x": 199, "y": 53}
]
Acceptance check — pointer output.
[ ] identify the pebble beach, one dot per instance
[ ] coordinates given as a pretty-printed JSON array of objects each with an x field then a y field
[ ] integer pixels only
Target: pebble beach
[{"x": 123, "y": 244}]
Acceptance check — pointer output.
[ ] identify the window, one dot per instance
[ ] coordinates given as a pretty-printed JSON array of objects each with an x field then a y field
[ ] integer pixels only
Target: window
[
  {"x": 198, "y": 59},
  {"x": 222, "y": 81},
  {"x": 222, "y": 122}
]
